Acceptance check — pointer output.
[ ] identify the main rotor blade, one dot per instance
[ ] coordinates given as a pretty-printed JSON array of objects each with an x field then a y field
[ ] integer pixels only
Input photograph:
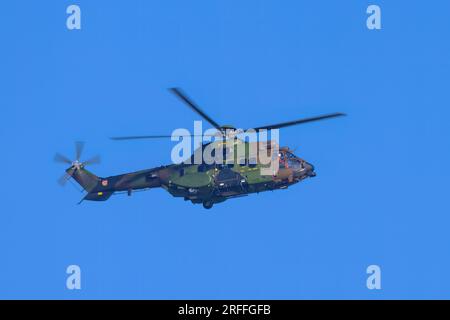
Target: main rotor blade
[
  {"x": 79, "y": 146},
  {"x": 93, "y": 160},
  {"x": 194, "y": 107},
  {"x": 60, "y": 158},
  {"x": 139, "y": 137},
  {"x": 300, "y": 121},
  {"x": 156, "y": 137}
]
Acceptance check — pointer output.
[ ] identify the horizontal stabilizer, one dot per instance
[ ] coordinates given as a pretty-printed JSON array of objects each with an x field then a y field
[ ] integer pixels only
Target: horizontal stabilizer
[{"x": 98, "y": 196}]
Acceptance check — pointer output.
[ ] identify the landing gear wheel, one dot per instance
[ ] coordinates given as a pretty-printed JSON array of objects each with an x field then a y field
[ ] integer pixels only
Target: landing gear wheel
[{"x": 208, "y": 204}]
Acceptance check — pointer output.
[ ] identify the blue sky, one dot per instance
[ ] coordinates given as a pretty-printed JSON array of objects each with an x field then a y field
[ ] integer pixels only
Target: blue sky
[{"x": 381, "y": 191}]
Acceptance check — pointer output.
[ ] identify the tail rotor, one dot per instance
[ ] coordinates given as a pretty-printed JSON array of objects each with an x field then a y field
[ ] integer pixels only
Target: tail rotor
[{"x": 74, "y": 164}]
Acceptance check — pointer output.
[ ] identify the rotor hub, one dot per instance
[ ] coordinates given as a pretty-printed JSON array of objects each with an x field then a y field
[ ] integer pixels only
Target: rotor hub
[{"x": 77, "y": 164}]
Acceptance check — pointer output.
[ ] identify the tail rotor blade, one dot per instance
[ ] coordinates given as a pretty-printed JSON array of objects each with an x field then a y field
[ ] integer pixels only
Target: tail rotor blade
[
  {"x": 60, "y": 158},
  {"x": 63, "y": 179},
  {"x": 93, "y": 160},
  {"x": 79, "y": 146}
]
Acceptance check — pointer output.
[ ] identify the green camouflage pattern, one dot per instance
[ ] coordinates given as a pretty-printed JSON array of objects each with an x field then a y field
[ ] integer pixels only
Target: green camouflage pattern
[{"x": 202, "y": 183}]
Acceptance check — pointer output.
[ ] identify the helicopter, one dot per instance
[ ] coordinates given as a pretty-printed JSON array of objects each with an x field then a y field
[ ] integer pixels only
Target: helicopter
[{"x": 207, "y": 182}]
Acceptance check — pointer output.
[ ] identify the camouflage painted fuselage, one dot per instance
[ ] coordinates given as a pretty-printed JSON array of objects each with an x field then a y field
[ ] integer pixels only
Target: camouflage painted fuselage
[{"x": 203, "y": 183}]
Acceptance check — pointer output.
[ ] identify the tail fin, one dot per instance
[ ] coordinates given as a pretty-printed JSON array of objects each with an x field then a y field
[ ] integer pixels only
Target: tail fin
[
  {"x": 92, "y": 184},
  {"x": 85, "y": 178}
]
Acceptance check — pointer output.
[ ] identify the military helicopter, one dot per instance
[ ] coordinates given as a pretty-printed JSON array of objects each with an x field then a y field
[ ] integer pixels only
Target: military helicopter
[{"x": 201, "y": 183}]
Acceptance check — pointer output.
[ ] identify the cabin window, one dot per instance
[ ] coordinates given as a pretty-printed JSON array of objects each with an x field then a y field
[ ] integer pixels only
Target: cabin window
[{"x": 204, "y": 167}]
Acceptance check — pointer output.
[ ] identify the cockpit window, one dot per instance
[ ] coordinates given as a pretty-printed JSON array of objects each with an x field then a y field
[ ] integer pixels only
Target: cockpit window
[
  {"x": 290, "y": 155},
  {"x": 288, "y": 159},
  {"x": 294, "y": 163}
]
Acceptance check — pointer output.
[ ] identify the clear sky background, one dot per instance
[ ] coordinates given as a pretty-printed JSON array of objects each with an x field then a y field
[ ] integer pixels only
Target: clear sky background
[{"x": 381, "y": 191}]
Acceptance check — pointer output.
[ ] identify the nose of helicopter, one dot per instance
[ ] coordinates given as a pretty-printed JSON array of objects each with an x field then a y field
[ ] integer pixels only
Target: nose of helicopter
[
  {"x": 306, "y": 169},
  {"x": 309, "y": 169}
]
